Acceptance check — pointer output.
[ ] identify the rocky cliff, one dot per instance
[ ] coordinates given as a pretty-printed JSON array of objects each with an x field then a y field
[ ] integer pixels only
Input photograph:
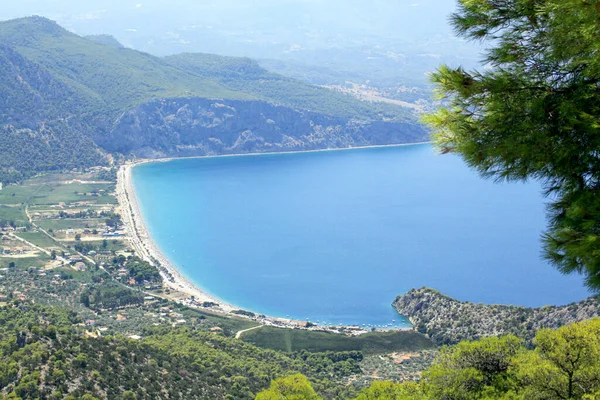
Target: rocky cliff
[
  {"x": 198, "y": 126},
  {"x": 448, "y": 321},
  {"x": 72, "y": 102}
]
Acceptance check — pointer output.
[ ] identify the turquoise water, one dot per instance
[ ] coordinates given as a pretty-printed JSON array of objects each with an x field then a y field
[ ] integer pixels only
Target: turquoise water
[{"x": 335, "y": 236}]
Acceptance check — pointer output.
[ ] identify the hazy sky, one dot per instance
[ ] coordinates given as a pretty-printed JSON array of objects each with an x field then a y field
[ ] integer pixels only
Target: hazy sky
[
  {"x": 414, "y": 32},
  {"x": 268, "y": 20}
]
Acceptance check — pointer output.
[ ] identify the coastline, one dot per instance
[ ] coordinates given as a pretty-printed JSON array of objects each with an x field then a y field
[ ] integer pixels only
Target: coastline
[
  {"x": 382, "y": 146},
  {"x": 144, "y": 246}
]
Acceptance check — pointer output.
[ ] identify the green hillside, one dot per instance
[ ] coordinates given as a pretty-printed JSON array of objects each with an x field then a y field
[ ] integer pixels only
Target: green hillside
[
  {"x": 37, "y": 131},
  {"x": 46, "y": 356},
  {"x": 118, "y": 78},
  {"x": 63, "y": 97},
  {"x": 246, "y": 75}
]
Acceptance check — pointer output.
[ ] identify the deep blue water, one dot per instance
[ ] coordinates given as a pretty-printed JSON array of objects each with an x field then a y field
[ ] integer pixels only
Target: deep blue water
[{"x": 335, "y": 236}]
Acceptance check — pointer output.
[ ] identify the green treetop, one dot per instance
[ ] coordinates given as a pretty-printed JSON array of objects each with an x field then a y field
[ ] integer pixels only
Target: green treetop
[
  {"x": 295, "y": 387},
  {"x": 533, "y": 112},
  {"x": 564, "y": 365}
]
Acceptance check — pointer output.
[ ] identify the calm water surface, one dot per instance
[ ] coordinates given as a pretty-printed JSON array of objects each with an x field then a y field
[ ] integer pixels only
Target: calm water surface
[{"x": 336, "y": 236}]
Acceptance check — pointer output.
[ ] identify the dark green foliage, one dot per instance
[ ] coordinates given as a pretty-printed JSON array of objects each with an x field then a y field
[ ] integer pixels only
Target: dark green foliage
[
  {"x": 372, "y": 343},
  {"x": 565, "y": 365},
  {"x": 109, "y": 175},
  {"x": 110, "y": 296},
  {"x": 534, "y": 113},
  {"x": 245, "y": 313},
  {"x": 136, "y": 269},
  {"x": 112, "y": 220},
  {"x": 182, "y": 364},
  {"x": 35, "y": 135}
]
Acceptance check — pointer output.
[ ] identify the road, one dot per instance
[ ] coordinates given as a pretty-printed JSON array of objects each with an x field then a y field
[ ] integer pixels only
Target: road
[{"x": 240, "y": 333}]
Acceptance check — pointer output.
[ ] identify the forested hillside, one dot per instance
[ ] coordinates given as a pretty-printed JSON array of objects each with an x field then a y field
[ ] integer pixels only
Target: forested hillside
[
  {"x": 45, "y": 355},
  {"x": 246, "y": 75},
  {"x": 66, "y": 101},
  {"x": 449, "y": 321},
  {"x": 564, "y": 365},
  {"x": 42, "y": 121}
]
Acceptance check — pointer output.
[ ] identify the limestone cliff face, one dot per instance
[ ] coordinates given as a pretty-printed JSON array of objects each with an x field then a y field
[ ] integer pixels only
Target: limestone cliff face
[
  {"x": 191, "y": 127},
  {"x": 448, "y": 321}
]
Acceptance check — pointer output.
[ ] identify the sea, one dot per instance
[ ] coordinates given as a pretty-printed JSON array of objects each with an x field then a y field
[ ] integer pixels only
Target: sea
[{"x": 334, "y": 236}]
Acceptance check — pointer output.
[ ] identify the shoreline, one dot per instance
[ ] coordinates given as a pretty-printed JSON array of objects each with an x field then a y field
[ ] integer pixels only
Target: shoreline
[
  {"x": 145, "y": 247},
  {"x": 382, "y": 146}
]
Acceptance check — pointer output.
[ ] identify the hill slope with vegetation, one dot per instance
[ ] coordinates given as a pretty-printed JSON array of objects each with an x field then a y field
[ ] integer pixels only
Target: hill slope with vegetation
[
  {"x": 449, "y": 321},
  {"x": 46, "y": 356},
  {"x": 564, "y": 365},
  {"x": 67, "y": 101}
]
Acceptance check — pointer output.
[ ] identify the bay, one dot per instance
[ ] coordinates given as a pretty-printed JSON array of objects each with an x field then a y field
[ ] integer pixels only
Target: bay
[{"x": 334, "y": 236}]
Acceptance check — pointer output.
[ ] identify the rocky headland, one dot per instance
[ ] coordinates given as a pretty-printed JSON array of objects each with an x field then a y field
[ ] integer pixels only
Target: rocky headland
[{"x": 449, "y": 321}]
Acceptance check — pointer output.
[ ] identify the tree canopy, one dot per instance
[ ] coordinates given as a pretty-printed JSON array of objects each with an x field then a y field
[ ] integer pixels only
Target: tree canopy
[
  {"x": 533, "y": 113},
  {"x": 564, "y": 365}
]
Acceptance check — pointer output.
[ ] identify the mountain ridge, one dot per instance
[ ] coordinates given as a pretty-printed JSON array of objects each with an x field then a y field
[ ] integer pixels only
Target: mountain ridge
[{"x": 102, "y": 99}]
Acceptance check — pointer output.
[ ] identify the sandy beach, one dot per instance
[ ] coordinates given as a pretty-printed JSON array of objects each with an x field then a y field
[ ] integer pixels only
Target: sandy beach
[{"x": 142, "y": 242}]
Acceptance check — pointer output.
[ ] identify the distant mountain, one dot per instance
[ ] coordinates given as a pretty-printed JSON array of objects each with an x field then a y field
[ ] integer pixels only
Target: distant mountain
[
  {"x": 37, "y": 128},
  {"x": 399, "y": 40},
  {"x": 105, "y": 39},
  {"x": 68, "y": 101}
]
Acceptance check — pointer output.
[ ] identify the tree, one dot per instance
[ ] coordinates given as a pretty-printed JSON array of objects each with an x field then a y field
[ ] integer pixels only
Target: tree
[
  {"x": 129, "y": 395},
  {"x": 471, "y": 369},
  {"x": 295, "y": 387},
  {"x": 564, "y": 365},
  {"x": 392, "y": 391},
  {"x": 533, "y": 113}
]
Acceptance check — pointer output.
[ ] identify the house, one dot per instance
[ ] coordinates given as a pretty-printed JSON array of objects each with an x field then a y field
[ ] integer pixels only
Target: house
[
  {"x": 301, "y": 324},
  {"x": 216, "y": 329},
  {"x": 19, "y": 296},
  {"x": 81, "y": 267}
]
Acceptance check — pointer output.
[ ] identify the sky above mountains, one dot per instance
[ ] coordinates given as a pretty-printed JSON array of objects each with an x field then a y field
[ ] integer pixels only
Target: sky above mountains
[{"x": 335, "y": 33}]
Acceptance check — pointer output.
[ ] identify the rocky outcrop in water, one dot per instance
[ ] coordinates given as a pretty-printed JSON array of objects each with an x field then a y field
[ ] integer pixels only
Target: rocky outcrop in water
[
  {"x": 448, "y": 321},
  {"x": 197, "y": 126}
]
